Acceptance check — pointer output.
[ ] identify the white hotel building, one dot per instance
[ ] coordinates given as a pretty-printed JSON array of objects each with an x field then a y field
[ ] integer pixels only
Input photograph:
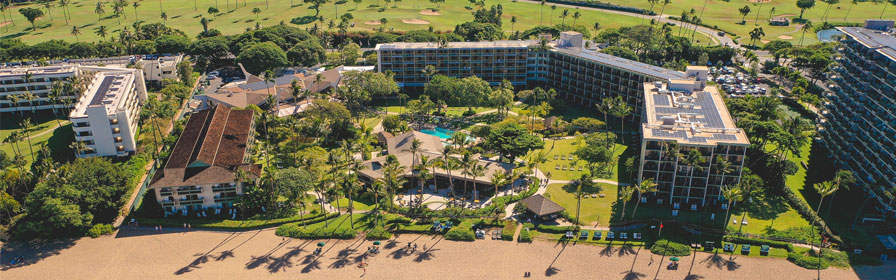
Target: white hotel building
[{"x": 105, "y": 117}]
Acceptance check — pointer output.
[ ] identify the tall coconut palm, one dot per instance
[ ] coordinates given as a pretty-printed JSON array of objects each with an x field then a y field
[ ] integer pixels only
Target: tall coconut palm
[
  {"x": 731, "y": 195},
  {"x": 416, "y": 145},
  {"x": 449, "y": 163},
  {"x": 537, "y": 159},
  {"x": 475, "y": 172},
  {"x": 466, "y": 164},
  {"x": 625, "y": 194},
  {"x": 843, "y": 179},
  {"x": 30, "y": 97},
  {"x": 26, "y": 127},
  {"x": 620, "y": 111},
  {"x": 694, "y": 159},
  {"x": 100, "y": 9},
  {"x": 78, "y": 147},
  {"x": 551, "y": 18},
  {"x": 423, "y": 171},
  {"x": 806, "y": 27},
  {"x": 646, "y": 186},
  {"x": 498, "y": 179},
  {"x": 541, "y": 13}
]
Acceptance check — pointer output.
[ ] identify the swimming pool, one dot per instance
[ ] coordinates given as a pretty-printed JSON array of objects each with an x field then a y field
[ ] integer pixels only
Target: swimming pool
[{"x": 440, "y": 132}]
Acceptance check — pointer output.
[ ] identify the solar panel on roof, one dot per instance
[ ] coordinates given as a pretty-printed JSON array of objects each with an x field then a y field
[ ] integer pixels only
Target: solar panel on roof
[
  {"x": 101, "y": 91},
  {"x": 661, "y": 100}
]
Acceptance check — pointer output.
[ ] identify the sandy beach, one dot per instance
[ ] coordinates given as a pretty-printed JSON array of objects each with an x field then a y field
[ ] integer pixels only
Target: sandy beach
[{"x": 197, "y": 254}]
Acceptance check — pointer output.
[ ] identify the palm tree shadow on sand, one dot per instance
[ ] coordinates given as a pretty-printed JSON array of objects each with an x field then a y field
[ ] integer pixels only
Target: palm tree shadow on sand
[
  {"x": 607, "y": 251},
  {"x": 201, "y": 259},
  {"x": 285, "y": 260},
  {"x": 631, "y": 275},
  {"x": 312, "y": 261}
]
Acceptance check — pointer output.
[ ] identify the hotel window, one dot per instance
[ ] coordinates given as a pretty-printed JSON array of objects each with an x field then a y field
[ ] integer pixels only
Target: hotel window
[
  {"x": 116, "y": 130},
  {"x": 118, "y": 139},
  {"x": 120, "y": 148},
  {"x": 113, "y": 121}
]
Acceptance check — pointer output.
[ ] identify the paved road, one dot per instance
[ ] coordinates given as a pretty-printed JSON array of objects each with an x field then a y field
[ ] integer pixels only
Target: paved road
[{"x": 722, "y": 40}]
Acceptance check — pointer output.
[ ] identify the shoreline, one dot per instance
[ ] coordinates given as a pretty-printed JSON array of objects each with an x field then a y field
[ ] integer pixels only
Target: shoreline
[{"x": 174, "y": 253}]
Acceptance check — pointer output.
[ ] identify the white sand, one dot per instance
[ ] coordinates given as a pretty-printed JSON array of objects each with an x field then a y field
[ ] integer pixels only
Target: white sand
[
  {"x": 373, "y": 22},
  {"x": 146, "y": 254},
  {"x": 429, "y": 12},
  {"x": 785, "y": 37}
]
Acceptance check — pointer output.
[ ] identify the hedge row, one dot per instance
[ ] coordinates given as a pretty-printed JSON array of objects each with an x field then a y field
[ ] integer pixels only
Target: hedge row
[
  {"x": 806, "y": 261},
  {"x": 758, "y": 242},
  {"x": 412, "y": 228},
  {"x": 461, "y": 232},
  {"x": 295, "y": 231},
  {"x": 99, "y": 230},
  {"x": 554, "y": 229},
  {"x": 669, "y": 248},
  {"x": 508, "y": 231}
]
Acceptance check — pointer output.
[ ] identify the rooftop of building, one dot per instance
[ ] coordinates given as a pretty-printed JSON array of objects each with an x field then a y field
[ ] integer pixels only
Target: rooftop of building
[
  {"x": 458, "y": 45},
  {"x": 883, "y": 41},
  {"x": 13, "y": 72},
  {"x": 627, "y": 64},
  {"x": 694, "y": 117},
  {"x": 210, "y": 149},
  {"x": 107, "y": 89}
]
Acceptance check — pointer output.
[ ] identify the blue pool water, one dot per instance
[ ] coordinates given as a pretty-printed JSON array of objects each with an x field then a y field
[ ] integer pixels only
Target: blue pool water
[{"x": 440, "y": 132}]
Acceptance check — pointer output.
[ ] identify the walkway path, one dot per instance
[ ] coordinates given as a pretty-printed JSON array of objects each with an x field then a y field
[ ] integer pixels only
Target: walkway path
[{"x": 49, "y": 130}]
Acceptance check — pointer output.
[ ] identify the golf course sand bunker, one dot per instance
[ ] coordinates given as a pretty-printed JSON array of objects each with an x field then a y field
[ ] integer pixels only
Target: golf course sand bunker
[
  {"x": 785, "y": 37},
  {"x": 372, "y": 22},
  {"x": 429, "y": 12},
  {"x": 415, "y": 21}
]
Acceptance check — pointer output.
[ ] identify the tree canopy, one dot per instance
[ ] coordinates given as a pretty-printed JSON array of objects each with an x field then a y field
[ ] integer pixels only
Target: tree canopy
[{"x": 512, "y": 140}]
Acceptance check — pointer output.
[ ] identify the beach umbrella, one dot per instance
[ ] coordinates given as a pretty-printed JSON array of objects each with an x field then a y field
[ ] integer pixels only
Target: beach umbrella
[
  {"x": 376, "y": 243},
  {"x": 674, "y": 259},
  {"x": 321, "y": 244}
]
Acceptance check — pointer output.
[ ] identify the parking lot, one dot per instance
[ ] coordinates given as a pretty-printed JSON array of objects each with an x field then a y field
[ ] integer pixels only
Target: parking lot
[{"x": 736, "y": 83}]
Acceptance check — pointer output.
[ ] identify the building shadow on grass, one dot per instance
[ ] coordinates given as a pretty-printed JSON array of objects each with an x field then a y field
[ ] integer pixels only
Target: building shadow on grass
[{"x": 31, "y": 251}]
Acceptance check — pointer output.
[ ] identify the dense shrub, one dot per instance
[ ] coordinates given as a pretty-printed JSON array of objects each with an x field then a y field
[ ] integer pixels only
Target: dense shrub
[
  {"x": 379, "y": 233},
  {"x": 460, "y": 234},
  {"x": 525, "y": 236},
  {"x": 758, "y": 242},
  {"x": 396, "y": 219},
  {"x": 412, "y": 228},
  {"x": 669, "y": 248},
  {"x": 100, "y": 229},
  {"x": 554, "y": 229},
  {"x": 807, "y": 261},
  {"x": 508, "y": 231}
]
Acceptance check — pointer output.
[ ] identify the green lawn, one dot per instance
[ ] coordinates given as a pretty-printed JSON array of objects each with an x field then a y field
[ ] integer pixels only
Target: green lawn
[
  {"x": 224, "y": 223},
  {"x": 594, "y": 210},
  {"x": 450, "y": 111},
  {"x": 182, "y": 15},
  {"x": 724, "y": 14},
  {"x": 565, "y": 148},
  {"x": 359, "y": 204},
  {"x": 57, "y": 140}
]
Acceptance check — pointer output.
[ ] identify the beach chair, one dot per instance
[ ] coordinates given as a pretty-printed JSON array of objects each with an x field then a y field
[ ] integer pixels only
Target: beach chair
[
  {"x": 555, "y": 157},
  {"x": 636, "y": 235},
  {"x": 597, "y": 235},
  {"x": 745, "y": 249},
  {"x": 580, "y": 168},
  {"x": 583, "y": 235},
  {"x": 763, "y": 250},
  {"x": 623, "y": 236},
  {"x": 728, "y": 247},
  {"x": 611, "y": 235},
  {"x": 556, "y": 167}
]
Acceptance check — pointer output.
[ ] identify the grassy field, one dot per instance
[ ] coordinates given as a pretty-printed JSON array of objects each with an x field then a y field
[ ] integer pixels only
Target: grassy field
[
  {"x": 450, "y": 111},
  {"x": 594, "y": 210},
  {"x": 724, "y": 14},
  {"x": 563, "y": 149},
  {"x": 57, "y": 140},
  {"x": 182, "y": 15}
]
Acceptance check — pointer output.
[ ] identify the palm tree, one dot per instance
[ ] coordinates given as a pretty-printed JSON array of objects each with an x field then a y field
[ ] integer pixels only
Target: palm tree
[
  {"x": 694, "y": 159},
  {"x": 475, "y": 172},
  {"x": 466, "y": 163},
  {"x": 563, "y": 15},
  {"x": 843, "y": 179},
  {"x": 512, "y": 23},
  {"x": 30, "y": 97},
  {"x": 606, "y": 106},
  {"x": 76, "y": 32},
  {"x": 575, "y": 17},
  {"x": 164, "y": 17},
  {"x": 731, "y": 194},
  {"x": 415, "y": 148},
  {"x": 136, "y": 4},
  {"x": 102, "y": 32},
  {"x": 579, "y": 184},
  {"x": 498, "y": 179},
  {"x": 99, "y": 10},
  {"x": 78, "y": 147},
  {"x": 551, "y": 18},
  {"x": 14, "y": 100},
  {"x": 27, "y": 126},
  {"x": 541, "y": 12},
  {"x": 429, "y": 71},
  {"x": 823, "y": 189},
  {"x": 423, "y": 170},
  {"x": 806, "y": 27},
  {"x": 645, "y": 187},
  {"x": 537, "y": 158},
  {"x": 620, "y": 111},
  {"x": 853, "y": 3},
  {"x": 449, "y": 163},
  {"x": 392, "y": 172},
  {"x": 625, "y": 194}
]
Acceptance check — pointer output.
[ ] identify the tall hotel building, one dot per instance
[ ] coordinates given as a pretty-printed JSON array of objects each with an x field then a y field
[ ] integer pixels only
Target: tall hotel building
[
  {"x": 16, "y": 83},
  {"x": 860, "y": 120},
  {"x": 105, "y": 117},
  {"x": 579, "y": 75},
  {"x": 681, "y": 116}
]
